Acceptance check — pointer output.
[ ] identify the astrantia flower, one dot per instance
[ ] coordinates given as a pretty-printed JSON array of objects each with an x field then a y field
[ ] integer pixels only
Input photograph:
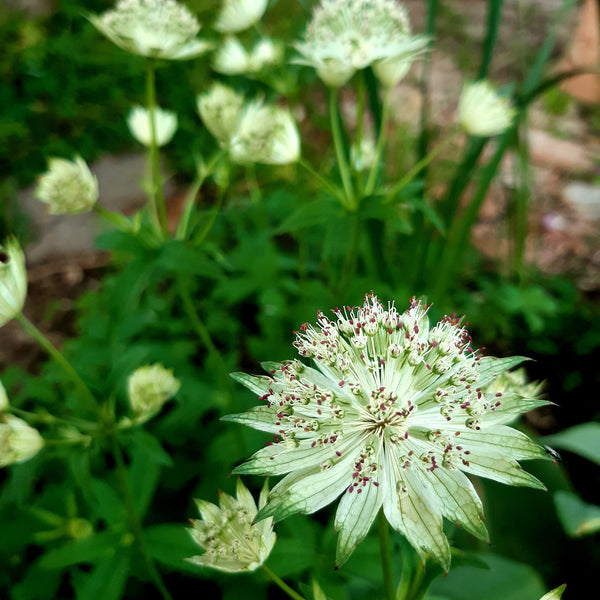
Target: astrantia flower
[
  {"x": 265, "y": 53},
  {"x": 165, "y": 125},
  {"x": 345, "y": 35},
  {"x": 149, "y": 388},
  {"x": 231, "y": 58},
  {"x": 266, "y": 134},
  {"x": 18, "y": 441},
  {"x": 237, "y": 15},
  {"x": 394, "y": 414},
  {"x": 220, "y": 109},
  {"x": 227, "y": 533},
  {"x": 68, "y": 187},
  {"x": 155, "y": 28},
  {"x": 13, "y": 280},
  {"x": 482, "y": 112}
]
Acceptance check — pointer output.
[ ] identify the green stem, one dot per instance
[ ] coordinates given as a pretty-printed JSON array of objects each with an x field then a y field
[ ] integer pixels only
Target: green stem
[
  {"x": 386, "y": 557},
  {"x": 336, "y": 131},
  {"x": 158, "y": 210},
  {"x": 42, "y": 416},
  {"x": 134, "y": 522},
  {"x": 381, "y": 141},
  {"x": 282, "y": 584},
  {"x": 114, "y": 218},
  {"x": 331, "y": 188},
  {"x": 211, "y": 218},
  {"x": 360, "y": 111},
  {"x": 408, "y": 177},
  {"x": 349, "y": 269},
  {"x": 47, "y": 345}
]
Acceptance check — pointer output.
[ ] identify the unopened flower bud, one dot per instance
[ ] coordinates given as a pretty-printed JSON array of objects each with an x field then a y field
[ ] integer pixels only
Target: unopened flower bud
[
  {"x": 13, "y": 280},
  {"x": 68, "y": 187},
  {"x": 149, "y": 388},
  {"x": 237, "y": 15},
  {"x": 482, "y": 112},
  {"x": 231, "y": 58},
  {"x": 165, "y": 125},
  {"x": 18, "y": 441},
  {"x": 220, "y": 109}
]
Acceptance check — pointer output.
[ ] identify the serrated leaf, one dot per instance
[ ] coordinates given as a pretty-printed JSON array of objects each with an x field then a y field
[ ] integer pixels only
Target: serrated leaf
[
  {"x": 88, "y": 550},
  {"x": 576, "y": 516},
  {"x": 107, "y": 579},
  {"x": 171, "y": 544},
  {"x": 317, "y": 212}
]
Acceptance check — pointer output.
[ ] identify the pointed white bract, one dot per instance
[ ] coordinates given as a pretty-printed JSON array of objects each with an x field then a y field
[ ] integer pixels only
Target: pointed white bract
[
  {"x": 13, "y": 280},
  {"x": 481, "y": 112},
  {"x": 3, "y": 399},
  {"x": 394, "y": 415},
  {"x": 149, "y": 387},
  {"x": 228, "y": 534},
  {"x": 154, "y": 28},
  {"x": 237, "y": 15},
  {"x": 251, "y": 131},
  {"x": 346, "y": 35},
  {"x": 18, "y": 441},
  {"x": 231, "y": 58},
  {"x": 165, "y": 125},
  {"x": 68, "y": 187},
  {"x": 555, "y": 594}
]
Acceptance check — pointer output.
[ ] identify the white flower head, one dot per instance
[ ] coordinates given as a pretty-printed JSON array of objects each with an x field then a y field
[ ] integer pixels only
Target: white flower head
[
  {"x": 391, "y": 70},
  {"x": 482, "y": 112},
  {"x": 18, "y": 441},
  {"x": 13, "y": 280},
  {"x": 364, "y": 159},
  {"x": 154, "y": 28},
  {"x": 393, "y": 414},
  {"x": 68, "y": 187},
  {"x": 228, "y": 534},
  {"x": 266, "y": 134},
  {"x": 346, "y": 35},
  {"x": 265, "y": 54},
  {"x": 3, "y": 399},
  {"x": 220, "y": 109},
  {"x": 237, "y": 15},
  {"x": 165, "y": 125},
  {"x": 149, "y": 387},
  {"x": 231, "y": 58}
]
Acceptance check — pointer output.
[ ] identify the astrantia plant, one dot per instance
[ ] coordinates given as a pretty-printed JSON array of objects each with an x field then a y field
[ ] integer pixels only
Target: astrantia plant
[
  {"x": 153, "y": 28},
  {"x": 394, "y": 416},
  {"x": 482, "y": 112}
]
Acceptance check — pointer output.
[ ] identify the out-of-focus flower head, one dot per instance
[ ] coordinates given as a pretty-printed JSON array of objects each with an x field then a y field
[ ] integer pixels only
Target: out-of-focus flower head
[
  {"x": 220, "y": 109},
  {"x": 18, "y": 441},
  {"x": 149, "y": 387},
  {"x": 13, "y": 280},
  {"x": 482, "y": 112},
  {"x": 165, "y": 125},
  {"x": 265, "y": 54},
  {"x": 394, "y": 416},
  {"x": 231, "y": 58},
  {"x": 68, "y": 187},
  {"x": 346, "y": 35},
  {"x": 228, "y": 534},
  {"x": 237, "y": 15},
  {"x": 154, "y": 28}
]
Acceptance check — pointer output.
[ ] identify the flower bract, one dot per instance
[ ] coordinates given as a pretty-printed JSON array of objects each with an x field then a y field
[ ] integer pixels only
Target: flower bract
[
  {"x": 394, "y": 414},
  {"x": 68, "y": 187},
  {"x": 228, "y": 534},
  {"x": 153, "y": 28},
  {"x": 220, "y": 109},
  {"x": 481, "y": 112},
  {"x": 237, "y": 15},
  {"x": 165, "y": 125},
  {"x": 13, "y": 280},
  {"x": 555, "y": 594},
  {"x": 18, "y": 441},
  {"x": 3, "y": 399},
  {"x": 346, "y": 35}
]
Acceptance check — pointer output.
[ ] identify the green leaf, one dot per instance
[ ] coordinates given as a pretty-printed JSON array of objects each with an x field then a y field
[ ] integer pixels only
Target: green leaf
[
  {"x": 107, "y": 580},
  {"x": 171, "y": 544},
  {"x": 576, "y": 516},
  {"x": 88, "y": 550},
  {"x": 582, "y": 439},
  {"x": 317, "y": 212}
]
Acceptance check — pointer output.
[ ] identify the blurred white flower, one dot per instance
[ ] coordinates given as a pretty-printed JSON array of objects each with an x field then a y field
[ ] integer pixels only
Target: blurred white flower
[
  {"x": 228, "y": 534},
  {"x": 394, "y": 416},
  {"x": 18, "y": 441},
  {"x": 220, "y": 109},
  {"x": 364, "y": 159},
  {"x": 346, "y": 35},
  {"x": 265, "y": 54},
  {"x": 154, "y": 28},
  {"x": 165, "y": 125},
  {"x": 231, "y": 58},
  {"x": 482, "y": 112},
  {"x": 237, "y": 15},
  {"x": 149, "y": 387},
  {"x": 68, "y": 187},
  {"x": 390, "y": 71},
  {"x": 266, "y": 134},
  {"x": 13, "y": 280}
]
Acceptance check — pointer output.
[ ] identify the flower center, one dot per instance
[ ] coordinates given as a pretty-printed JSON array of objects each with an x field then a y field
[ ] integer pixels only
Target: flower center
[{"x": 383, "y": 414}]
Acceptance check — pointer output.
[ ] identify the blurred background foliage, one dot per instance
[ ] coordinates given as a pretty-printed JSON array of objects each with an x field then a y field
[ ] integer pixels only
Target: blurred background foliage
[{"x": 64, "y": 90}]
